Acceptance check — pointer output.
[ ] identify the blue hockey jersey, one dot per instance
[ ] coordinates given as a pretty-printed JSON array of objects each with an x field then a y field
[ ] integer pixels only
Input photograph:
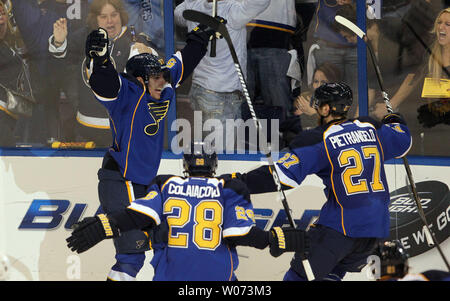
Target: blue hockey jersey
[
  {"x": 200, "y": 213},
  {"x": 348, "y": 157},
  {"x": 137, "y": 124}
]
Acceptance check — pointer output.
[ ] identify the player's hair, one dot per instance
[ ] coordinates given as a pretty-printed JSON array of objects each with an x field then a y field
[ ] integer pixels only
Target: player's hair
[
  {"x": 96, "y": 7},
  {"x": 435, "y": 60}
]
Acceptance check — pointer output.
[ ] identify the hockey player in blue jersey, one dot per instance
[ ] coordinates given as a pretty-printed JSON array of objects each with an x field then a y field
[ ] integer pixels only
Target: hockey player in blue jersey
[
  {"x": 137, "y": 102},
  {"x": 206, "y": 216},
  {"x": 348, "y": 155}
]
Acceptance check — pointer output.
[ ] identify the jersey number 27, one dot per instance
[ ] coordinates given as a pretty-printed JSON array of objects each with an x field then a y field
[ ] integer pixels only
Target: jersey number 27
[{"x": 354, "y": 162}]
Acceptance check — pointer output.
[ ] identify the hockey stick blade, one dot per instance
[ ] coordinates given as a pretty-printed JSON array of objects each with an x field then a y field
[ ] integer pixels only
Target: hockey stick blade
[
  {"x": 356, "y": 30},
  {"x": 202, "y": 18},
  {"x": 350, "y": 25}
]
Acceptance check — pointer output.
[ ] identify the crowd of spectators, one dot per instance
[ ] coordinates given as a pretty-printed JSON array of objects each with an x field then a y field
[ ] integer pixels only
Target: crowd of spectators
[{"x": 286, "y": 49}]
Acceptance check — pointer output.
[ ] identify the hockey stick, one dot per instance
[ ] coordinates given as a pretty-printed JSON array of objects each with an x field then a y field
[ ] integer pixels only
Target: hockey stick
[
  {"x": 431, "y": 239},
  {"x": 214, "y": 40},
  {"x": 199, "y": 17}
]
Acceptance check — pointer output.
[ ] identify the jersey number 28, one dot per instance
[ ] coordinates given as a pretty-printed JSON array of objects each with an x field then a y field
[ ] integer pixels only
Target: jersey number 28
[{"x": 207, "y": 231}]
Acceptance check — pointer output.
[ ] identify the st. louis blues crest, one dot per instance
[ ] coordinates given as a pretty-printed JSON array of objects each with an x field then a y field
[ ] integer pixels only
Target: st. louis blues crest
[{"x": 157, "y": 110}]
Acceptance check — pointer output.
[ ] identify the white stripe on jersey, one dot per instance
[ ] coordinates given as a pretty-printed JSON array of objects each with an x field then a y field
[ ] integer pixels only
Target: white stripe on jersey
[
  {"x": 285, "y": 180},
  {"x": 120, "y": 276},
  {"x": 145, "y": 210},
  {"x": 236, "y": 231}
]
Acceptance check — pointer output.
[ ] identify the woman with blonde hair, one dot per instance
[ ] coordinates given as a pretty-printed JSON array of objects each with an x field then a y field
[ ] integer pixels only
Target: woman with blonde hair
[
  {"x": 440, "y": 49},
  {"x": 437, "y": 67}
]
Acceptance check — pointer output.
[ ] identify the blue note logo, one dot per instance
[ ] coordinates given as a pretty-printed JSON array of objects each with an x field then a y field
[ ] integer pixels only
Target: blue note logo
[{"x": 158, "y": 111}]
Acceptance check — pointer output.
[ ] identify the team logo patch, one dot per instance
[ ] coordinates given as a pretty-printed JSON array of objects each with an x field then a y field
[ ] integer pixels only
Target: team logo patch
[
  {"x": 158, "y": 110},
  {"x": 397, "y": 128},
  {"x": 140, "y": 244}
]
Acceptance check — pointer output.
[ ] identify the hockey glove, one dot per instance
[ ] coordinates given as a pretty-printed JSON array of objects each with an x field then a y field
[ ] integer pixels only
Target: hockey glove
[
  {"x": 97, "y": 47},
  {"x": 393, "y": 118},
  {"x": 203, "y": 33},
  {"x": 90, "y": 231},
  {"x": 288, "y": 240}
]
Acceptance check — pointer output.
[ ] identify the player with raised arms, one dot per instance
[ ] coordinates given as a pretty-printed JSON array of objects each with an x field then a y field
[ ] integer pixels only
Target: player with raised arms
[{"x": 137, "y": 102}]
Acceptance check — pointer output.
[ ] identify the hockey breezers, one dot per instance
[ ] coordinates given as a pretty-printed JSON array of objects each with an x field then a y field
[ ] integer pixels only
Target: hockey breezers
[{"x": 215, "y": 24}]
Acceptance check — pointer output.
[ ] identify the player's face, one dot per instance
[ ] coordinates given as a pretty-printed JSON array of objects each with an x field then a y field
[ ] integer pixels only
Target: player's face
[
  {"x": 443, "y": 29},
  {"x": 109, "y": 19},
  {"x": 156, "y": 85}
]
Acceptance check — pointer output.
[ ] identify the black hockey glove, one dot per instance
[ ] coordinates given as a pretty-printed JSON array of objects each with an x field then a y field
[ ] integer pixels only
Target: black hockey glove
[
  {"x": 432, "y": 114},
  {"x": 393, "y": 118},
  {"x": 97, "y": 47},
  {"x": 288, "y": 240},
  {"x": 90, "y": 231},
  {"x": 203, "y": 33}
]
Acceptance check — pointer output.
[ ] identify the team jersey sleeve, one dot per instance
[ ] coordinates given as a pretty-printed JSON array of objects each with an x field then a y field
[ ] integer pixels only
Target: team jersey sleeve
[
  {"x": 176, "y": 69},
  {"x": 150, "y": 206},
  {"x": 295, "y": 165},
  {"x": 141, "y": 214},
  {"x": 239, "y": 222},
  {"x": 238, "y": 210},
  {"x": 395, "y": 140},
  {"x": 104, "y": 81}
]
